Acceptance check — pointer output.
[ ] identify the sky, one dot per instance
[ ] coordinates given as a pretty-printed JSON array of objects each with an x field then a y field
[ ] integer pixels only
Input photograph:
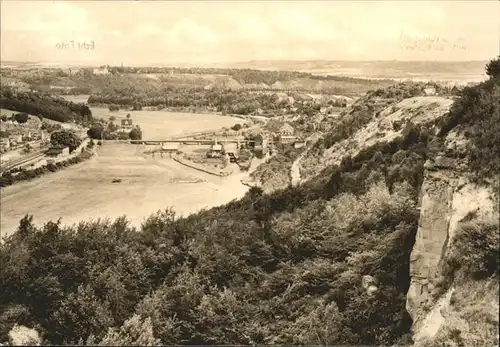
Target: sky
[{"x": 205, "y": 32}]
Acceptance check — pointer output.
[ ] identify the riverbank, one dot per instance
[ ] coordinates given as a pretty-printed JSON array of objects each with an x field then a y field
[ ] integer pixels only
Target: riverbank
[{"x": 183, "y": 161}]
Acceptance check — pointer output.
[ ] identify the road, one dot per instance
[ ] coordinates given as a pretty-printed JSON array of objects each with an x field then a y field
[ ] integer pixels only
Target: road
[{"x": 295, "y": 169}]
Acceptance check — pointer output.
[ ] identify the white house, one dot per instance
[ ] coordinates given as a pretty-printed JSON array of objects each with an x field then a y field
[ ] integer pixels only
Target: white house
[
  {"x": 286, "y": 130},
  {"x": 15, "y": 139},
  {"x": 101, "y": 71},
  {"x": 215, "y": 151},
  {"x": 287, "y": 139},
  {"x": 430, "y": 91}
]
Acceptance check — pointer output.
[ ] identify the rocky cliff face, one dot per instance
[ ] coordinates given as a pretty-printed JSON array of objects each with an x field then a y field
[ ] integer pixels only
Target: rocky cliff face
[{"x": 446, "y": 198}]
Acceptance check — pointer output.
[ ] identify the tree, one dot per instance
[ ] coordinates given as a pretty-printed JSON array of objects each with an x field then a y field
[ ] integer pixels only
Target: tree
[
  {"x": 27, "y": 148},
  {"x": 65, "y": 138},
  {"x": 81, "y": 314},
  {"x": 493, "y": 68},
  {"x": 128, "y": 116},
  {"x": 112, "y": 119},
  {"x": 21, "y": 117},
  {"x": 95, "y": 131},
  {"x": 136, "y": 331},
  {"x": 135, "y": 134},
  {"x": 236, "y": 127}
]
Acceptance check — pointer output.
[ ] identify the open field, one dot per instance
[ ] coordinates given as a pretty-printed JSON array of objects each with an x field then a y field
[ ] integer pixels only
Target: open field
[{"x": 85, "y": 191}]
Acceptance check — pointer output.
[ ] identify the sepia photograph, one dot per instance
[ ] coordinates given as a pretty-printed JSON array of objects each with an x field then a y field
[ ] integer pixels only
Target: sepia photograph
[{"x": 250, "y": 173}]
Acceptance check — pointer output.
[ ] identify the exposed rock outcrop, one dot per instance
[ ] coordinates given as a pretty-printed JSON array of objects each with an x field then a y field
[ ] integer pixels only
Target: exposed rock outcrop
[
  {"x": 20, "y": 335},
  {"x": 446, "y": 198}
]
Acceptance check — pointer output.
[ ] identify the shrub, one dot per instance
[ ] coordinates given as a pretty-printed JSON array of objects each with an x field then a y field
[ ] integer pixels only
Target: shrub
[
  {"x": 474, "y": 252},
  {"x": 21, "y": 117}
]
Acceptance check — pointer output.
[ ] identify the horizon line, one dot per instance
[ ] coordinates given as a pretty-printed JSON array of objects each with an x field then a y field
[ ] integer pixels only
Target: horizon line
[{"x": 174, "y": 64}]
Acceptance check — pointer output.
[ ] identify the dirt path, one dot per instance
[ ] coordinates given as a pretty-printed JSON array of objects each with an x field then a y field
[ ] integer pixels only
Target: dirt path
[{"x": 295, "y": 171}]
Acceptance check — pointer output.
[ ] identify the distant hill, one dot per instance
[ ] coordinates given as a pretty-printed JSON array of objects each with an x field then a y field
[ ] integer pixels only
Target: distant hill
[{"x": 461, "y": 70}]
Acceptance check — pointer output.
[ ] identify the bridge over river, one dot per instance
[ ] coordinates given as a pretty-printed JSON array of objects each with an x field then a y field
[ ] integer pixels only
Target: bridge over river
[{"x": 210, "y": 141}]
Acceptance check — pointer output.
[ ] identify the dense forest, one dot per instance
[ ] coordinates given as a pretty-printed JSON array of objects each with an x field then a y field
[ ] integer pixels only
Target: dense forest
[
  {"x": 245, "y": 76},
  {"x": 280, "y": 268},
  {"x": 237, "y": 102},
  {"x": 46, "y": 106}
]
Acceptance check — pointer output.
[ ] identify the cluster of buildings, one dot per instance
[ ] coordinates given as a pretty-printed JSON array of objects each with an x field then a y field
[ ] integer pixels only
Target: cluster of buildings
[
  {"x": 21, "y": 138},
  {"x": 282, "y": 133},
  {"x": 218, "y": 150},
  {"x": 263, "y": 142}
]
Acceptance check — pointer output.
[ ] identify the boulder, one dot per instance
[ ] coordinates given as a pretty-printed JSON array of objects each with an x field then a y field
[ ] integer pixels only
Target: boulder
[
  {"x": 442, "y": 162},
  {"x": 367, "y": 281},
  {"x": 20, "y": 335}
]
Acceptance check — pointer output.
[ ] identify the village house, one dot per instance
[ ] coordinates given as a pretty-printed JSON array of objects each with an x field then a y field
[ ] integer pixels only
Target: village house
[
  {"x": 57, "y": 152},
  {"x": 215, "y": 151},
  {"x": 101, "y": 71},
  {"x": 287, "y": 139},
  {"x": 127, "y": 123},
  {"x": 300, "y": 143},
  {"x": 429, "y": 90},
  {"x": 286, "y": 130},
  {"x": 16, "y": 139},
  {"x": 231, "y": 150},
  {"x": 317, "y": 120},
  {"x": 4, "y": 144},
  {"x": 28, "y": 136}
]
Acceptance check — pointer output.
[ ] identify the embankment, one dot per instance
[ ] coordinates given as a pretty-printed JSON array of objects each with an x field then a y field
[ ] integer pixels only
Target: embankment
[
  {"x": 200, "y": 167},
  {"x": 44, "y": 167}
]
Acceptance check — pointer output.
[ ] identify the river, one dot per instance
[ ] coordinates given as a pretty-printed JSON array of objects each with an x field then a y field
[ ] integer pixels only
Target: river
[{"x": 85, "y": 191}]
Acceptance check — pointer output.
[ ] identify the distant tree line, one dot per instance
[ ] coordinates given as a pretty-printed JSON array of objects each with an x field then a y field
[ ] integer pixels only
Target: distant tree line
[
  {"x": 229, "y": 101},
  {"x": 100, "y": 131},
  {"x": 50, "y": 107}
]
